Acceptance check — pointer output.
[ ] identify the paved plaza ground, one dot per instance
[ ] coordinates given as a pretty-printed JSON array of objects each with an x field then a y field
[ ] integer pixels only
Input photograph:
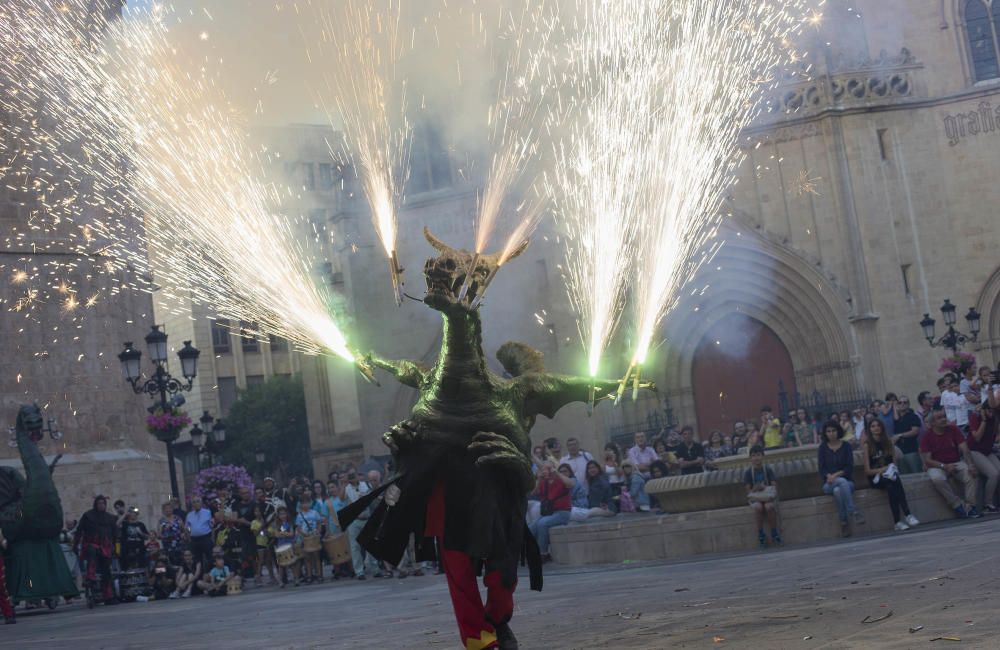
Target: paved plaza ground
[{"x": 944, "y": 578}]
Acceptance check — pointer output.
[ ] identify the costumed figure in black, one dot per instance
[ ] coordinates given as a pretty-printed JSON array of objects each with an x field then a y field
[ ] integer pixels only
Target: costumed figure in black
[
  {"x": 95, "y": 542},
  {"x": 31, "y": 517},
  {"x": 463, "y": 459}
]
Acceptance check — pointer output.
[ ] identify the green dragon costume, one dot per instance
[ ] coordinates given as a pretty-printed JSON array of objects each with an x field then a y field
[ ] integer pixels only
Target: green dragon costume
[
  {"x": 463, "y": 459},
  {"x": 31, "y": 517}
]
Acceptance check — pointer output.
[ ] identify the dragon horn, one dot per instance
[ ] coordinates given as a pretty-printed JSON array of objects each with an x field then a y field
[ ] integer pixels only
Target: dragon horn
[{"x": 438, "y": 245}]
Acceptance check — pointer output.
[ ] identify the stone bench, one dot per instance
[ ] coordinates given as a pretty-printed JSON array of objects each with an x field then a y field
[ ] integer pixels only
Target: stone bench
[
  {"x": 675, "y": 536},
  {"x": 798, "y": 478}
]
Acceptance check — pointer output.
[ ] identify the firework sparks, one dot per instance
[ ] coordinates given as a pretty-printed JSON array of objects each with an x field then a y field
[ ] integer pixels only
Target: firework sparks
[
  {"x": 713, "y": 54},
  {"x": 358, "y": 57},
  {"x": 206, "y": 208},
  {"x": 806, "y": 183}
]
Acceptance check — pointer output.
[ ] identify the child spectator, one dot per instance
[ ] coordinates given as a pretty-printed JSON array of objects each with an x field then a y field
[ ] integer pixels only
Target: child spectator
[
  {"x": 218, "y": 579},
  {"x": 283, "y": 532},
  {"x": 762, "y": 493},
  {"x": 163, "y": 580},
  {"x": 188, "y": 574}
]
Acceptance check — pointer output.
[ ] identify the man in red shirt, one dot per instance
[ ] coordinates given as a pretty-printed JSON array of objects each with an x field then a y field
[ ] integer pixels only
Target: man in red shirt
[{"x": 946, "y": 456}]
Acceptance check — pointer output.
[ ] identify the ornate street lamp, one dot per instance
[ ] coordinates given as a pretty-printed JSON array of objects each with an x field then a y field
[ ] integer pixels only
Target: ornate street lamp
[
  {"x": 161, "y": 384},
  {"x": 952, "y": 339},
  {"x": 208, "y": 438}
]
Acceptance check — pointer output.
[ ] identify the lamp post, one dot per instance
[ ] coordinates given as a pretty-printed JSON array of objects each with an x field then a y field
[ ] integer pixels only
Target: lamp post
[
  {"x": 952, "y": 339},
  {"x": 161, "y": 384},
  {"x": 208, "y": 438}
]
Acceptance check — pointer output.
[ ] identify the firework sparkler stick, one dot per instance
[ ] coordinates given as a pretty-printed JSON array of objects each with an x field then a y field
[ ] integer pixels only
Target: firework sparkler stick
[
  {"x": 366, "y": 369},
  {"x": 468, "y": 277},
  {"x": 397, "y": 278},
  {"x": 482, "y": 291},
  {"x": 636, "y": 383},
  {"x": 624, "y": 382}
]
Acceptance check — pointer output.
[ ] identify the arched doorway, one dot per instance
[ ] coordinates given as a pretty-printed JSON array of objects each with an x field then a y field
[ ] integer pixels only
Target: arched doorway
[{"x": 736, "y": 369}]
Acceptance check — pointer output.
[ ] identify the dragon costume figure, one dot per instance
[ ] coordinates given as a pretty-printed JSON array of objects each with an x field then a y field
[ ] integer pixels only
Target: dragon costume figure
[
  {"x": 463, "y": 459},
  {"x": 31, "y": 517}
]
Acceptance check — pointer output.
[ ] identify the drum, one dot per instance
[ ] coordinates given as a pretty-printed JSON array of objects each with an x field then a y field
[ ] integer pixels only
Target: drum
[
  {"x": 285, "y": 554},
  {"x": 311, "y": 543},
  {"x": 234, "y": 586},
  {"x": 337, "y": 548},
  {"x": 133, "y": 583}
]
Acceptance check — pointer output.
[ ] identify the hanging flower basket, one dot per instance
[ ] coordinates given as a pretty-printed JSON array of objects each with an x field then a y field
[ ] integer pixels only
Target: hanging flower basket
[
  {"x": 958, "y": 363},
  {"x": 167, "y": 424},
  {"x": 211, "y": 480}
]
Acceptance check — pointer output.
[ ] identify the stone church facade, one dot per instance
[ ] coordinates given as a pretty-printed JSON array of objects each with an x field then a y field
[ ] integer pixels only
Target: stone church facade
[{"x": 866, "y": 198}]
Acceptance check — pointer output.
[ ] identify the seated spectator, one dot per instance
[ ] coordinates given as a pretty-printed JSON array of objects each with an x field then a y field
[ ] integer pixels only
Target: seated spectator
[
  {"x": 946, "y": 456},
  {"x": 789, "y": 436},
  {"x": 187, "y": 575},
  {"x": 804, "y": 427},
  {"x": 715, "y": 449},
  {"x": 753, "y": 437},
  {"x": 553, "y": 449},
  {"x": 642, "y": 455},
  {"x": 762, "y": 493},
  {"x": 690, "y": 454},
  {"x": 981, "y": 440},
  {"x": 836, "y": 466},
  {"x": 613, "y": 466},
  {"x": 553, "y": 490},
  {"x": 907, "y": 426},
  {"x": 578, "y": 493},
  {"x": 599, "y": 493},
  {"x": 216, "y": 583},
  {"x": 658, "y": 469},
  {"x": 634, "y": 495},
  {"x": 162, "y": 579},
  {"x": 883, "y": 474},
  {"x": 538, "y": 456},
  {"x": 739, "y": 435}
]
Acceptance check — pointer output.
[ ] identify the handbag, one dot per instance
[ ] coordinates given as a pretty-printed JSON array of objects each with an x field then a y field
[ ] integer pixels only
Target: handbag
[{"x": 625, "y": 502}]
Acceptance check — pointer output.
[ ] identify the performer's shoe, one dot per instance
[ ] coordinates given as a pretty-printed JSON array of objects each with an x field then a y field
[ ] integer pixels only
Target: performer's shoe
[{"x": 505, "y": 637}]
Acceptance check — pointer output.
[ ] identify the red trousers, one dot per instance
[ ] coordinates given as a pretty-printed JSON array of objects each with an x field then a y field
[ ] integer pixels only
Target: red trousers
[
  {"x": 475, "y": 620},
  {"x": 5, "y": 605}
]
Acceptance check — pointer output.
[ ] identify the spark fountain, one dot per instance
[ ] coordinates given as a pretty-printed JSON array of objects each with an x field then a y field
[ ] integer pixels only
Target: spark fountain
[
  {"x": 173, "y": 167},
  {"x": 363, "y": 94}
]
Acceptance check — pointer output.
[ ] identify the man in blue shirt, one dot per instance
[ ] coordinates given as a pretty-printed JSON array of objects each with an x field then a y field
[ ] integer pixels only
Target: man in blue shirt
[{"x": 199, "y": 525}]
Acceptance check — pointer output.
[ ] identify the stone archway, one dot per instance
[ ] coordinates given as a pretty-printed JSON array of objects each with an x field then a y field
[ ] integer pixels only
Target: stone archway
[
  {"x": 756, "y": 278},
  {"x": 735, "y": 370},
  {"x": 988, "y": 306}
]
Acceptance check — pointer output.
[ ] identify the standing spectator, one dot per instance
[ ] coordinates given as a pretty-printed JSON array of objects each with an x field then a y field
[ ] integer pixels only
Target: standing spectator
[
  {"x": 359, "y": 558},
  {"x": 199, "y": 526},
  {"x": 261, "y": 544},
  {"x": 770, "y": 428},
  {"x": 635, "y": 486},
  {"x": 946, "y": 456},
  {"x": 188, "y": 573},
  {"x": 690, "y": 454},
  {"x": 882, "y": 473},
  {"x": 925, "y": 403},
  {"x": 171, "y": 532},
  {"x": 553, "y": 489},
  {"x": 307, "y": 524},
  {"x": 846, "y": 426},
  {"x": 613, "y": 467},
  {"x": 907, "y": 437},
  {"x": 66, "y": 546},
  {"x": 6, "y": 607},
  {"x": 553, "y": 449},
  {"x": 789, "y": 436},
  {"x": 133, "y": 541},
  {"x": 753, "y": 437},
  {"x": 981, "y": 440},
  {"x": 762, "y": 493},
  {"x": 576, "y": 458},
  {"x": 836, "y": 466},
  {"x": 956, "y": 404},
  {"x": 641, "y": 455},
  {"x": 886, "y": 412},
  {"x": 94, "y": 541}
]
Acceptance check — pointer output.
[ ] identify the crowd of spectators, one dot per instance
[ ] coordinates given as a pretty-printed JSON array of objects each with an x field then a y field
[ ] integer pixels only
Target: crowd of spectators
[
  {"x": 226, "y": 542},
  {"x": 950, "y": 434}
]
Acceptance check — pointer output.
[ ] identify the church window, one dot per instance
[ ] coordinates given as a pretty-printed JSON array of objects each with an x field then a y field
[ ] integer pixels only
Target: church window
[{"x": 982, "y": 24}]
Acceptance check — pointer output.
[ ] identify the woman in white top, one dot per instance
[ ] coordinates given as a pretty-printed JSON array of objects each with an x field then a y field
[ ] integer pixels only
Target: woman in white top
[{"x": 613, "y": 464}]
